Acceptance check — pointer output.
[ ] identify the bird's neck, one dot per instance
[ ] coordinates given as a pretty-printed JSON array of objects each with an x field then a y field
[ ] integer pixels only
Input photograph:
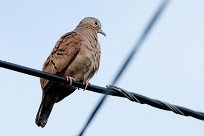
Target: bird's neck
[{"x": 86, "y": 31}]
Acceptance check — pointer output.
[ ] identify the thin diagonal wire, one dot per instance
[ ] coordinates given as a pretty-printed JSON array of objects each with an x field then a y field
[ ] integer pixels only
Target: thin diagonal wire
[{"x": 124, "y": 66}]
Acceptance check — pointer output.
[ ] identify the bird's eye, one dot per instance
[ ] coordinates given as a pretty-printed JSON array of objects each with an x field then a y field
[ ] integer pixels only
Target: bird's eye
[{"x": 96, "y": 23}]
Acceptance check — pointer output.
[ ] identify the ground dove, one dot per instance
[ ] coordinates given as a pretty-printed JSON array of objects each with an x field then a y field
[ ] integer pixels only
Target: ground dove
[{"x": 76, "y": 56}]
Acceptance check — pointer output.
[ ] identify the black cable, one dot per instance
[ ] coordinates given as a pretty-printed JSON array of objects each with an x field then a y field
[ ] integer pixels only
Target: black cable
[
  {"x": 110, "y": 90},
  {"x": 127, "y": 61},
  {"x": 37, "y": 73}
]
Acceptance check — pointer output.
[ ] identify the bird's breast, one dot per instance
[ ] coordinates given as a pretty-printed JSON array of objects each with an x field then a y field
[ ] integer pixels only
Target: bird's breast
[{"x": 86, "y": 62}]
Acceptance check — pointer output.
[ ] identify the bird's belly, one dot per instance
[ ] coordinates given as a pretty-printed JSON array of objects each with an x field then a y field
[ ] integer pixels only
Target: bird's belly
[{"x": 81, "y": 65}]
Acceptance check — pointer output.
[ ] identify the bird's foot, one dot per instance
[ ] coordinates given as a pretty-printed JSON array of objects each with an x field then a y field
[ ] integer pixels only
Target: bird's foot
[
  {"x": 86, "y": 83},
  {"x": 70, "y": 80}
]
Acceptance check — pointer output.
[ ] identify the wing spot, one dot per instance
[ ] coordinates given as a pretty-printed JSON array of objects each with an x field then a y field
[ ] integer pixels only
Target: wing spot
[{"x": 53, "y": 64}]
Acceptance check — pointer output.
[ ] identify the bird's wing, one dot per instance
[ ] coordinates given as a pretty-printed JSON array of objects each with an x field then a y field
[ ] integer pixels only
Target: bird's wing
[{"x": 62, "y": 55}]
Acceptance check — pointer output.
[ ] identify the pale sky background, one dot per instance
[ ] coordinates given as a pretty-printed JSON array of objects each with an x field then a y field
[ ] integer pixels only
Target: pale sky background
[{"x": 169, "y": 66}]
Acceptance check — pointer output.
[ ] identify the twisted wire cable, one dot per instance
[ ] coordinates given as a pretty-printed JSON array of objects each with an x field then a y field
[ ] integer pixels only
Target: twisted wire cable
[{"x": 109, "y": 90}]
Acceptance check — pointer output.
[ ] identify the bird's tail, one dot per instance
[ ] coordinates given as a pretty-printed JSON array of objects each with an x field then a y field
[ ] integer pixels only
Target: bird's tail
[{"x": 44, "y": 112}]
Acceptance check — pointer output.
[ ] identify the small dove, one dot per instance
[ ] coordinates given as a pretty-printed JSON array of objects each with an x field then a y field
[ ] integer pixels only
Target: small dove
[{"x": 76, "y": 55}]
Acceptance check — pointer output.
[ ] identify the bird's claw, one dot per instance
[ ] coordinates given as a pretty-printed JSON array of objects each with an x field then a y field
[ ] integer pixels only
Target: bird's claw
[
  {"x": 70, "y": 80},
  {"x": 86, "y": 83}
]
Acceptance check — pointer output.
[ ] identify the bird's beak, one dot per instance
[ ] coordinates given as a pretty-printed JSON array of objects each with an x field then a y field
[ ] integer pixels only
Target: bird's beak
[{"x": 101, "y": 32}]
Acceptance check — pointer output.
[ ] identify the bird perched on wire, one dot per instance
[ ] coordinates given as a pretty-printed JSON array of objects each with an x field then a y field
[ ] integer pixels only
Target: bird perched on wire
[{"x": 75, "y": 56}]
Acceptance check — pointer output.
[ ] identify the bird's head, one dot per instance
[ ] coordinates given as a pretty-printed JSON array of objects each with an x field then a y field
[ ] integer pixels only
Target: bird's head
[{"x": 93, "y": 22}]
